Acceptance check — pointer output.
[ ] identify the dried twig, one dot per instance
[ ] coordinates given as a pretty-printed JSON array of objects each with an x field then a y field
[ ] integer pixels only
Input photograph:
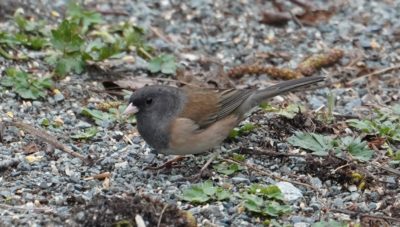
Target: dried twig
[
  {"x": 46, "y": 137},
  {"x": 161, "y": 215},
  {"x": 354, "y": 213},
  {"x": 253, "y": 167},
  {"x": 388, "y": 169},
  {"x": 268, "y": 153},
  {"x": 375, "y": 73},
  {"x": 100, "y": 176}
]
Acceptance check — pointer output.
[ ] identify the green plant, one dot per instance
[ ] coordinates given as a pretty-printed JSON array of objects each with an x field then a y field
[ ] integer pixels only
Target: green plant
[
  {"x": 84, "y": 18},
  {"x": 203, "y": 192},
  {"x": 289, "y": 111},
  {"x": 386, "y": 124},
  {"x": 164, "y": 63},
  {"x": 246, "y": 128},
  {"x": 87, "y": 134},
  {"x": 265, "y": 200},
  {"x": 67, "y": 41},
  {"x": 227, "y": 169},
  {"x": 321, "y": 145},
  {"x": 26, "y": 85}
]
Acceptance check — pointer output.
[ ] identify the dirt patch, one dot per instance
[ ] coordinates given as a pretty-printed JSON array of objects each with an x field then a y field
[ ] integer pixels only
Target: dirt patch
[{"x": 122, "y": 211}]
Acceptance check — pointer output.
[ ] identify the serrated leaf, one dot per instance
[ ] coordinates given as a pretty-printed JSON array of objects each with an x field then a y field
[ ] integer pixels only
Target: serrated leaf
[
  {"x": 222, "y": 194},
  {"x": 83, "y": 17},
  {"x": 363, "y": 125},
  {"x": 275, "y": 209},
  {"x": 357, "y": 148},
  {"x": 67, "y": 64},
  {"x": 66, "y": 37},
  {"x": 253, "y": 203},
  {"x": 195, "y": 194},
  {"x": 319, "y": 144},
  {"x": 26, "y": 85}
]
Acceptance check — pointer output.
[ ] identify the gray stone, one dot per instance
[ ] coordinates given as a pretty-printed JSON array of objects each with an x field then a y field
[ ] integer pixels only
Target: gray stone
[
  {"x": 352, "y": 188},
  {"x": 289, "y": 191},
  {"x": 316, "y": 182},
  {"x": 338, "y": 202},
  {"x": 354, "y": 196},
  {"x": 239, "y": 180},
  {"x": 59, "y": 97},
  {"x": 83, "y": 124}
]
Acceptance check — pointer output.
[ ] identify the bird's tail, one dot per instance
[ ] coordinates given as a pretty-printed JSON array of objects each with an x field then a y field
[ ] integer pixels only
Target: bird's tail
[{"x": 261, "y": 95}]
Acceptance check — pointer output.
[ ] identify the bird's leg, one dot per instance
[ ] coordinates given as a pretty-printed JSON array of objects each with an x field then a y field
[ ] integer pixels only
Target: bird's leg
[
  {"x": 214, "y": 155},
  {"x": 167, "y": 164}
]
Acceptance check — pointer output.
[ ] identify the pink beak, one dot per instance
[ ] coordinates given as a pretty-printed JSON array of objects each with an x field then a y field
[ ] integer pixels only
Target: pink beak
[{"x": 131, "y": 109}]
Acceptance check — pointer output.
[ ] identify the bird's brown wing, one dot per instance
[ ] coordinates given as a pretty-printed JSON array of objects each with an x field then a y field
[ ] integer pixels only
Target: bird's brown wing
[{"x": 205, "y": 107}]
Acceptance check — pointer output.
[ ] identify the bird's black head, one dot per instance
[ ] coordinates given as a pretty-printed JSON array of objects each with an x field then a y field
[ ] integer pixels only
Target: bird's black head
[
  {"x": 154, "y": 101},
  {"x": 156, "y": 106}
]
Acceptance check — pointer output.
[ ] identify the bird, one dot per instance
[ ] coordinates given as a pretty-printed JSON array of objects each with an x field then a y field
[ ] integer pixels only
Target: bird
[{"x": 188, "y": 120}]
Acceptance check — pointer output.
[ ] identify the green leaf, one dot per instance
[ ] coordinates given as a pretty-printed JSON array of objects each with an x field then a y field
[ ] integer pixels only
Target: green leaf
[
  {"x": 239, "y": 157},
  {"x": 45, "y": 122},
  {"x": 357, "y": 148},
  {"x": 246, "y": 128},
  {"x": 7, "y": 82},
  {"x": 195, "y": 194},
  {"x": 87, "y": 134},
  {"x": 208, "y": 188},
  {"x": 291, "y": 110},
  {"x": 66, "y": 37},
  {"x": 27, "y": 25},
  {"x": 222, "y": 194},
  {"x": 97, "y": 115},
  {"x": 363, "y": 125},
  {"x": 85, "y": 18},
  {"x": 164, "y": 63},
  {"x": 275, "y": 209},
  {"x": 319, "y": 144},
  {"x": 26, "y": 85},
  {"x": 203, "y": 192},
  {"x": 397, "y": 156},
  {"x": 155, "y": 65},
  {"x": 270, "y": 191},
  {"x": 133, "y": 35},
  {"x": 253, "y": 203},
  {"x": 226, "y": 168},
  {"x": 68, "y": 64}
]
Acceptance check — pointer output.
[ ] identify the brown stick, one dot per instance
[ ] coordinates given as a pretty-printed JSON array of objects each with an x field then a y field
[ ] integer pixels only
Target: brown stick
[
  {"x": 354, "y": 213},
  {"x": 45, "y": 136},
  {"x": 161, "y": 215},
  {"x": 376, "y": 73}
]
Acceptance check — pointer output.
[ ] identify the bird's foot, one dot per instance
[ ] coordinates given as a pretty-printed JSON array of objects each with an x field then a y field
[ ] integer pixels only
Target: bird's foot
[
  {"x": 168, "y": 164},
  {"x": 204, "y": 168}
]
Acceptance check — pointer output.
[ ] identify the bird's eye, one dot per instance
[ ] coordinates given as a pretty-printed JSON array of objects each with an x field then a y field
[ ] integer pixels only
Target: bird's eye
[{"x": 149, "y": 101}]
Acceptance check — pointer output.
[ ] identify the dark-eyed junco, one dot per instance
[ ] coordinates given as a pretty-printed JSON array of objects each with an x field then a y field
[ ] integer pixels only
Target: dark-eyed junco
[{"x": 181, "y": 121}]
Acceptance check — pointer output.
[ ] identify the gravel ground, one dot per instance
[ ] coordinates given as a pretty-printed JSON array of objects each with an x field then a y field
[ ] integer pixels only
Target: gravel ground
[{"x": 52, "y": 188}]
